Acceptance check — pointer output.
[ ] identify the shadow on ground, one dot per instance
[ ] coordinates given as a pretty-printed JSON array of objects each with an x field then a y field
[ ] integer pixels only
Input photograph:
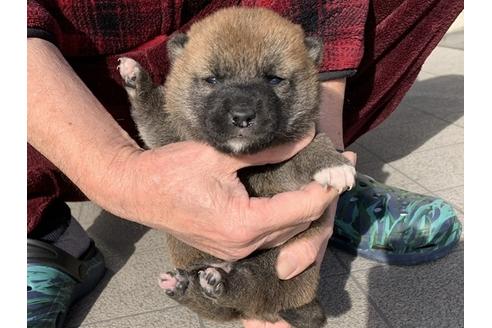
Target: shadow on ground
[
  {"x": 431, "y": 106},
  {"x": 418, "y": 296},
  {"x": 116, "y": 238},
  {"x": 426, "y": 295}
]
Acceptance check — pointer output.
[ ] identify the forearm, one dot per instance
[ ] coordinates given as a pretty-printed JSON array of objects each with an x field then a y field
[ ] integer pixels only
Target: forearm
[
  {"x": 331, "y": 106},
  {"x": 69, "y": 126}
]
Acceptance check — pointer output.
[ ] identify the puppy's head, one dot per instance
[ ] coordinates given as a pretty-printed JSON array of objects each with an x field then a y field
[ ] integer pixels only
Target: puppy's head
[{"x": 244, "y": 79}]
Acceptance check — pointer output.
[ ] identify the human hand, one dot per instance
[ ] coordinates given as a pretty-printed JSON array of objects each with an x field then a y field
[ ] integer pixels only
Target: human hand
[
  {"x": 299, "y": 255},
  {"x": 192, "y": 191},
  {"x": 265, "y": 324}
]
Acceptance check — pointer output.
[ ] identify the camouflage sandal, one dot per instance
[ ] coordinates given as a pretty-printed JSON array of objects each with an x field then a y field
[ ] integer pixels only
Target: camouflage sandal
[
  {"x": 394, "y": 226},
  {"x": 55, "y": 280}
]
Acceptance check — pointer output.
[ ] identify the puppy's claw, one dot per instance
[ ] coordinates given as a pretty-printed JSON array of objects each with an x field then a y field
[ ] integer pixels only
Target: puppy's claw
[{"x": 340, "y": 177}]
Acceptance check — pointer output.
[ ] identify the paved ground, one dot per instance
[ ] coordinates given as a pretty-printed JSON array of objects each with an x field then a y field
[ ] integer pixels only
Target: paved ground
[{"x": 422, "y": 152}]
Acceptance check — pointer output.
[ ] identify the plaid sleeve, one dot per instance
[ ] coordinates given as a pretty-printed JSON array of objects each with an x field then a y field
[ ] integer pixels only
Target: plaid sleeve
[
  {"x": 40, "y": 22},
  {"x": 102, "y": 27},
  {"x": 340, "y": 23}
]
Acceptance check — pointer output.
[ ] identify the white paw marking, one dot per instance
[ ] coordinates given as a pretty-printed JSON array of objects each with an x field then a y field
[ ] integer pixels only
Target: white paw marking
[
  {"x": 339, "y": 177},
  {"x": 129, "y": 69}
]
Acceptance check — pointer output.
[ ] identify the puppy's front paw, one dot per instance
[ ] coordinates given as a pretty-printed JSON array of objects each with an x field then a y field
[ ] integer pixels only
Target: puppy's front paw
[
  {"x": 339, "y": 177},
  {"x": 129, "y": 70},
  {"x": 212, "y": 282},
  {"x": 174, "y": 283}
]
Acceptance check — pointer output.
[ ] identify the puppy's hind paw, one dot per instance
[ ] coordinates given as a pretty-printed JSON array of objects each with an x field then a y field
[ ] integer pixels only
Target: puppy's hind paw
[
  {"x": 340, "y": 177},
  {"x": 212, "y": 282},
  {"x": 174, "y": 283}
]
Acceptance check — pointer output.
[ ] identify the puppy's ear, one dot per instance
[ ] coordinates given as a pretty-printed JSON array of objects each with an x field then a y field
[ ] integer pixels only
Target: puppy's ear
[
  {"x": 175, "y": 45},
  {"x": 314, "y": 46}
]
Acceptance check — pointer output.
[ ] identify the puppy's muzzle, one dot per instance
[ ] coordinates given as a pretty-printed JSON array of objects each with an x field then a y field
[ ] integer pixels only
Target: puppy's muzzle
[
  {"x": 242, "y": 107},
  {"x": 242, "y": 116}
]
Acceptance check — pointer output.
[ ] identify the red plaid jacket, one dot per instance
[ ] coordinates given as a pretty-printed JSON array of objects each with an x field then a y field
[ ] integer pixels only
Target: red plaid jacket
[{"x": 93, "y": 34}]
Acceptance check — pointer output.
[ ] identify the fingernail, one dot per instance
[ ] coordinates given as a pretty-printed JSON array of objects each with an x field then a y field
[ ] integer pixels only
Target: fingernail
[{"x": 286, "y": 266}]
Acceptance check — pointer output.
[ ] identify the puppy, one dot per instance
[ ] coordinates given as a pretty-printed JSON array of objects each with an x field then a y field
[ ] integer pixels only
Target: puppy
[{"x": 241, "y": 80}]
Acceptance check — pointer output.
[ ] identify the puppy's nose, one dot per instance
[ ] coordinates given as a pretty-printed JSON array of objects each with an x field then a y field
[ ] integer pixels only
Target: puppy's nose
[{"x": 242, "y": 117}]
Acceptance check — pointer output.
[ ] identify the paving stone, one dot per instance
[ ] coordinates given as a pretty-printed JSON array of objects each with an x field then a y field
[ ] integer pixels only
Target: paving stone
[
  {"x": 445, "y": 61},
  {"x": 454, "y": 36},
  {"x": 388, "y": 175},
  {"x": 346, "y": 305},
  {"x": 128, "y": 288},
  {"x": 113, "y": 235},
  {"x": 331, "y": 266},
  {"x": 460, "y": 121},
  {"x": 410, "y": 131},
  {"x": 439, "y": 96},
  {"x": 436, "y": 169},
  {"x": 428, "y": 295},
  {"x": 422, "y": 77},
  {"x": 458, "y": 24},
  {"x": 353, "y": 263},
  {"x": 175, "y": 317},
  {"x": 454, "y": 40},
  {"x": 85, "y": 212},
  {"x": 363, "y": 155},
  {"x": 454, "y": 196}
]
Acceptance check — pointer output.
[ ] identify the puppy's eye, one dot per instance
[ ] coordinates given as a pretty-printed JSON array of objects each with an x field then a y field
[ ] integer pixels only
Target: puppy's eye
[
  {"x": 274, "y": 80},
  {"x": 211, "y": 80}
]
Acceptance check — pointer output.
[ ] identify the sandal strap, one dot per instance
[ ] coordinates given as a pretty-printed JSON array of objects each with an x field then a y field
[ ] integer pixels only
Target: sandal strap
[{"x": 44, "y": 253}]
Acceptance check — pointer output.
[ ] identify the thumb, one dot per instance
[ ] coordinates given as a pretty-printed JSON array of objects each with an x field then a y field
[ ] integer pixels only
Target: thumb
[{"x": 298, "y": 255}]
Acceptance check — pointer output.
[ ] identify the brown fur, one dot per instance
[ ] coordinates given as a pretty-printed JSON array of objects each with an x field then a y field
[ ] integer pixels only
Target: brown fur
[{"x": 238, "y": 44}]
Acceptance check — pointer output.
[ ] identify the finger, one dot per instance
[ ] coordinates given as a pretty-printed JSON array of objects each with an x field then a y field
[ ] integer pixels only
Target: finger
[
  {"x": 278, "y": 238},
  {"x": 297, "y": 256},
  {"x": 264, "y": 240},
  {"x": 264, "y": 324},
  {"x": 291, "y": 208},
  {"x": 351, "y": 156},
  {"x": 327, "y": 229},
  {"x": 271, "y": 155}
]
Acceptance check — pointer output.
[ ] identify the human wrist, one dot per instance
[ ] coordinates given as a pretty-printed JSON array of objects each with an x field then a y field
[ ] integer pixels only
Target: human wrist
[
  {"x": 111, "y": 182},
  {"x": 331, "y": 110}
]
